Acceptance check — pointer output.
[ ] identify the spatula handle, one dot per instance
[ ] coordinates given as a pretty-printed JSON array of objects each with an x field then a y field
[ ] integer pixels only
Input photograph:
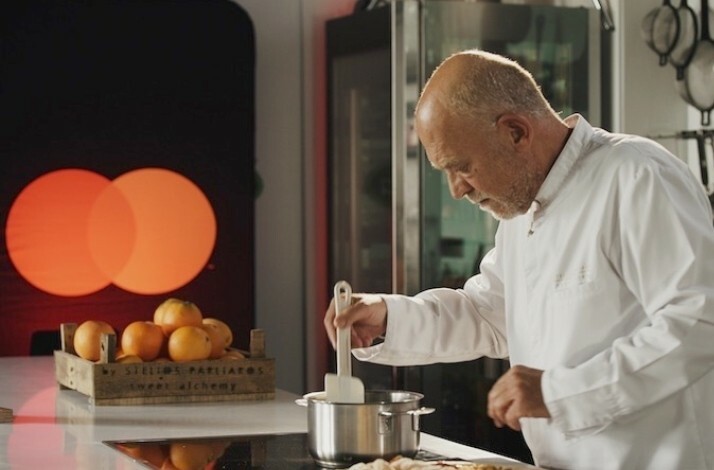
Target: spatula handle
[{"x": 343, "y": 299}]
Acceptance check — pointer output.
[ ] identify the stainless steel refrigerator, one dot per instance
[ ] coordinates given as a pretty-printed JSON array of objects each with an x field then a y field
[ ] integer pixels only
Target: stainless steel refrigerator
[{"x": 393, "y": 224}]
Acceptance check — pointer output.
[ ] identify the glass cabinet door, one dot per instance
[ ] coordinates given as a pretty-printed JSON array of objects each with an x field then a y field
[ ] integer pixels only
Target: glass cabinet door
[
  {"x": 361, "y": 171},
  {"x": 360, "y": 163}
]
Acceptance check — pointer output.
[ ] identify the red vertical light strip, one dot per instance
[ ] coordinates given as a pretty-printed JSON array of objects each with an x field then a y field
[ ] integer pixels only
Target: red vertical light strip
[{"x": 322, "y": 292}]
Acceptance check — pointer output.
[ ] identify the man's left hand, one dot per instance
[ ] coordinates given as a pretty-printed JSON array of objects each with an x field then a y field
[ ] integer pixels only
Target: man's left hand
[{"x": 517, "y": 394}]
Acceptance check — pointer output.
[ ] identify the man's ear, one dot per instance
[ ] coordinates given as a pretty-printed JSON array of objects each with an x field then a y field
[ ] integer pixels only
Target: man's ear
[{"x": 517, "y": 128}]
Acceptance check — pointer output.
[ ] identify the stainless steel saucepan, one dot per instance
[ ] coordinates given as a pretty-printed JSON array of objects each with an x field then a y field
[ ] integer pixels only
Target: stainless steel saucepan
[{"x": 341, "y": 434}]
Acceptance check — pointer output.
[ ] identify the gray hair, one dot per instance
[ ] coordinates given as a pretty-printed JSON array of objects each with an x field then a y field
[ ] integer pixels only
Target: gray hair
[{"x": 492, "y": 85}]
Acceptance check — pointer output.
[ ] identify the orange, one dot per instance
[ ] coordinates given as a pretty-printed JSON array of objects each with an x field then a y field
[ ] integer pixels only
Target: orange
[
  {"x": 163, "y": 307},
  {"x": 223, "y": 327},
  {"x": 154, "y": 454},
  {"x": 233, "y": 354},
  {"x": 191, "y": 455},
  {"x": 174, "y": 313},
  {"x": 219, "y": 339},
  {"x": 189, "y": 343},
  {"x": 88, "y": 336},
  {"x": 143, "y": 339},
  {"x": 128, "y": 359},
  {"x": 167, "y": 465}
]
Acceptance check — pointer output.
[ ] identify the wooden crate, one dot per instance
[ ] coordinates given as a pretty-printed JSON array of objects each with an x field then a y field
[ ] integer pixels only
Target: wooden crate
[{"x": 107, "y": 382}]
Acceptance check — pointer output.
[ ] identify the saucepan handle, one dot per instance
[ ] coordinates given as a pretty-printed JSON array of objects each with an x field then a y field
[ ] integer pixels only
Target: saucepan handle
[
  {"x": 421, "y": 411},
  {"x": 386, "y": 418}
]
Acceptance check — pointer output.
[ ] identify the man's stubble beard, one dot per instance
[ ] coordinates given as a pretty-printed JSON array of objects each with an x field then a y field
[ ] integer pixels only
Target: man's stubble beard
[{"x": 516, "y": 201}]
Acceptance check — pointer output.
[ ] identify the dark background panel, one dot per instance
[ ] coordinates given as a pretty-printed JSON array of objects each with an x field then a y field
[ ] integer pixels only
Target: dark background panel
[{"x": 116, "y": 85}]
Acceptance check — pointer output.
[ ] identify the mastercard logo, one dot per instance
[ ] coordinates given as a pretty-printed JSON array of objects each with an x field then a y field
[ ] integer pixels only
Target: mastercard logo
[{"x": 73, "y": 232}]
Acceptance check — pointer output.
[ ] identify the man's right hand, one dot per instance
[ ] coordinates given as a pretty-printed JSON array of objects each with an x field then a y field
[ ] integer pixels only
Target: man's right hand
[{"x": 367, "y": 316}]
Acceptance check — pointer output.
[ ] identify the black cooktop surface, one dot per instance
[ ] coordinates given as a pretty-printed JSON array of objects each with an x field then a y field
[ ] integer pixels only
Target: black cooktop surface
[{"x": 267, "y": 452}]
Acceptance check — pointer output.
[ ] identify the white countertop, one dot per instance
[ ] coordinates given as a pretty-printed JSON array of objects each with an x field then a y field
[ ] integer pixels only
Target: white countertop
[{"x": 59, "y": 429}]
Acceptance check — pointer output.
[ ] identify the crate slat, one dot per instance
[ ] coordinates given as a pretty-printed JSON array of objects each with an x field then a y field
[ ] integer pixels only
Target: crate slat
[{"x": 6, "y": 415}]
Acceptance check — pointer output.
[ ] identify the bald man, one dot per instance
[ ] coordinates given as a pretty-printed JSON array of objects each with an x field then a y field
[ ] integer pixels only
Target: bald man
[{"x": 599, "y": 290}]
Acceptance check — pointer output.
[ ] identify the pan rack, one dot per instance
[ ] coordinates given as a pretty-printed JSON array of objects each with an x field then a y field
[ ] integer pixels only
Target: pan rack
[
  {"x": 706, "y": 133},
  {"x": 680, "y": 36}
]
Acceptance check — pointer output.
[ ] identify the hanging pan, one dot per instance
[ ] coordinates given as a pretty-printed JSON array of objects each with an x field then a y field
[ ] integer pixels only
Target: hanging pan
[
  {"x": 683, "y": 89},
  {"x": 699, "y": 74},
  {"x": 660, "y": 30},
  {"x": 646, "y": 26},
  {"x": 682, "y": 52}
]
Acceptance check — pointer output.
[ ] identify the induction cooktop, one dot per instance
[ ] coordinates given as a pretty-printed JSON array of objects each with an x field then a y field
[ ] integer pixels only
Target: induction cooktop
[{"x": 266, "y": 452}]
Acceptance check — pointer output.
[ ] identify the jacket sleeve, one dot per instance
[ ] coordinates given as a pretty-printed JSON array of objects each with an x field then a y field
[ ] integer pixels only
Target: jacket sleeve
[
  {"x": 663, "y": 248},
  {"x": 445, "y": 325}
]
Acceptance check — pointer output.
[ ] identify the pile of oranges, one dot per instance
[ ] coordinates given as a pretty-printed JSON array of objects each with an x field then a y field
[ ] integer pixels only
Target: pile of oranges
[{"x": 179, "y": 332}]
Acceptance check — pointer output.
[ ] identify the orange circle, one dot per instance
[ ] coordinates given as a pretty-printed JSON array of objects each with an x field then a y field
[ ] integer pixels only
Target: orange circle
[
  {"x": 175, "y": 231},
  {"x": 72, "y": 232},
  {"x": 111, "y": 231},
  {"x": 46, "y": 232}
]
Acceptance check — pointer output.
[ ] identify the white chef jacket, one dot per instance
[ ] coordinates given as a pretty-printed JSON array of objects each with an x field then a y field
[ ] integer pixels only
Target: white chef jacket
[{"x": 607, "y": 284}]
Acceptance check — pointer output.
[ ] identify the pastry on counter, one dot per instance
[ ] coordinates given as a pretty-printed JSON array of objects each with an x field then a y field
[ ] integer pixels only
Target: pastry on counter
[{"x": 404, "y": 463}]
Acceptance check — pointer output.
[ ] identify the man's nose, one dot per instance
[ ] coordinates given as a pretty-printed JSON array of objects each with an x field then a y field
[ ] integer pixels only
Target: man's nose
[{"x": 458, "y": 186}]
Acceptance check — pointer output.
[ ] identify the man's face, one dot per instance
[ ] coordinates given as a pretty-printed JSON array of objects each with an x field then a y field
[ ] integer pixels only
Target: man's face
[{"x": 482, "y": 167}]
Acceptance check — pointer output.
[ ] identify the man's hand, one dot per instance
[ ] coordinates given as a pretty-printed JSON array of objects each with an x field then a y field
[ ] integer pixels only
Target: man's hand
[
  {"x": 517, "y": 394},
  {"x": 367, "y": 316}
]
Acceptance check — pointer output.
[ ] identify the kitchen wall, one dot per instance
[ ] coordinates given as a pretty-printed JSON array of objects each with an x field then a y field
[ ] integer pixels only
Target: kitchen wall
[
  {"x": 289, "y": 70},
  {"x": 289, "y": 147}
]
